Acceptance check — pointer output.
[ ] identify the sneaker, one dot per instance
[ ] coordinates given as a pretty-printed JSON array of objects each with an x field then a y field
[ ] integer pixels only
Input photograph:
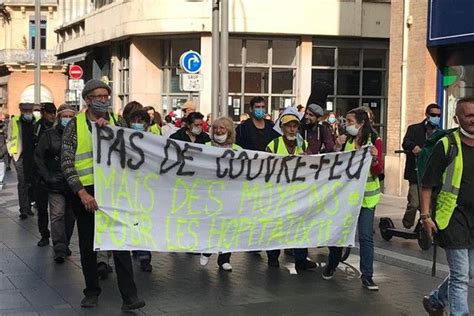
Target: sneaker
[
  {"x": 226, "y": 267},
  {"x": 145, "y": 265},
  {"x": 274, "y": 263},
  {"x": 132, "y": 304},
  {"x": 102, "y": 270},
  {"x": 305, "y": 265},
  {"x": 432, "y": 309},
  {"x": 328, "y": 273},
  {"x": 203, "y": 260},
  {"x": 369, "y": 284},
  {"x": 23, "y": 216},
  {"x": 43, "y": 242},
  {"x": 89, "y": 301}
]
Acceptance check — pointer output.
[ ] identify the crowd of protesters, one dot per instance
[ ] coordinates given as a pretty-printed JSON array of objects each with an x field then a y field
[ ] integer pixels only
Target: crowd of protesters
[{"x": 51, "y": 150}]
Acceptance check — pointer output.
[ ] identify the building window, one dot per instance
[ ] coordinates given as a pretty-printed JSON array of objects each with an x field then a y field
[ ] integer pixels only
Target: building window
[
  {"x": 264, "y": 68},
  {"x": 172, "y": 96},
  {"x": 32, "y": 31},
  {"x": 124, "y": 73},
  {"x": 358, "y": 73}
]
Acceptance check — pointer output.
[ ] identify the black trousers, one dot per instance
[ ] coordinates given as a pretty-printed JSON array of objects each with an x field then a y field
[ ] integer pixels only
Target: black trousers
[
  {"x": 122, "y": 260},
  {"x": 300, "y": 254},
  {"x": 222, "y": 258},
  {"x": 41, "y": 198}
]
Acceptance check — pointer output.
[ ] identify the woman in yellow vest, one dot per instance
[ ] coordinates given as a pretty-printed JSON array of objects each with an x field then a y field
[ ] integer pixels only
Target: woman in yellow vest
[
  {"x": 290, "y": 143},
  {"x": 361, "y": 133},
  {"x": 222, "y": 135}
]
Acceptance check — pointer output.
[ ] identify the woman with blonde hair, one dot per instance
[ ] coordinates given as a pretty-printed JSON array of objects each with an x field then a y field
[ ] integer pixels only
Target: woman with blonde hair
[{"x": 222, "y": 135}]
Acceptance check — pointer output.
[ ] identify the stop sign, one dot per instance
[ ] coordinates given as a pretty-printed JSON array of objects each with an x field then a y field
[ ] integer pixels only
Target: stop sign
[{"x": 75, "y": 72}]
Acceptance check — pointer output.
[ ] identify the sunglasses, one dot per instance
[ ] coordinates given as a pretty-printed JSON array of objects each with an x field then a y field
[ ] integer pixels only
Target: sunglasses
[{"x": 435, "y": 115}]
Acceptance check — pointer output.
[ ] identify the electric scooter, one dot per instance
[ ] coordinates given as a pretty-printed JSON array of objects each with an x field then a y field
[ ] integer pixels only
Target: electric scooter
[{"x": 388, "y": 229}]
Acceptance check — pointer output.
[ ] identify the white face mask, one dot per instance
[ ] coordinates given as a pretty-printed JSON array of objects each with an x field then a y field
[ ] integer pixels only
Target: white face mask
[
  {"x": 352, "y": 130},
  {"x": 220, "y": 139},
  {"x": 196, "y": 130},
  {"x": 464, "y": 132},
  {"x": 291, "y": 137}
]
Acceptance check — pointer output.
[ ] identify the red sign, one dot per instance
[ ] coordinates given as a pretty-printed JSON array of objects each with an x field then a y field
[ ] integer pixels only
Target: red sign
[{"x": 75, "y": 72}]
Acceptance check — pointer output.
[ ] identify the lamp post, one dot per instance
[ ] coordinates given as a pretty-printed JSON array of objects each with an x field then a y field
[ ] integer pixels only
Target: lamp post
[
  {"x": 215, "y": 60},
  {"x": 37, "y": 52}
]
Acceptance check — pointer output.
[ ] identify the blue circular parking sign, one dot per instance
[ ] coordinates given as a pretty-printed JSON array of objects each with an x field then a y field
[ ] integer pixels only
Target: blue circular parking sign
[{"x": 190, "y": 62}]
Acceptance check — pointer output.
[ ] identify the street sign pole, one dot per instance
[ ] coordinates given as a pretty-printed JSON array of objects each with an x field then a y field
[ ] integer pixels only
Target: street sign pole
[
  {"x": 224, "y": 79},
  {"x": 37, "y": 52},
  {"x": 215, "y": 60}
]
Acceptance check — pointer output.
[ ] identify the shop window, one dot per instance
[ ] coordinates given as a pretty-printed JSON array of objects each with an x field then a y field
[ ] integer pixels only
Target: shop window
[
  {"x": 349, "y": 57},
  {"x": 124, "y": 73},
  {"x": 264, "y": 68},
  {"x": 324, "y": 56},
  {"x": 348, "y": 82}
]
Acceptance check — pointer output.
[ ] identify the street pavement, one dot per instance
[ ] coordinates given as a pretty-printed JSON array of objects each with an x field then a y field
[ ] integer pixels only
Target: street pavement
[{"x": 32, "y": 284}]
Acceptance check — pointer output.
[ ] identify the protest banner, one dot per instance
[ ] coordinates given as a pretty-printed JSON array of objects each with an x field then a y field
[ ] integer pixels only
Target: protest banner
[{"x": 159, "y": 194}]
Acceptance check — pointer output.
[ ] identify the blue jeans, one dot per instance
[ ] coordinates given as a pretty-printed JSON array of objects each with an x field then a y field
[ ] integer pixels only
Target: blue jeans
[
  {"x": 365, "y": 228},
  {"x": 454, "y": 289}
]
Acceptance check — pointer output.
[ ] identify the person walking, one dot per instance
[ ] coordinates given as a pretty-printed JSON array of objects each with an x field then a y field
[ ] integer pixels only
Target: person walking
[
  {"x": 58, "y": 194},
  {"x": 317, "y": 135},
  {"x": 451, "y": 172},
  {"x": 413, "y": 143},
  {"x": 290, "y": 143},
  {"x": 20, "y": 145},
  {"x": 77, "y": 167},
  {"x": 361, "y": 133},
  {"x": 223, "y": 136},
  {"x": 45, "y": 121}
]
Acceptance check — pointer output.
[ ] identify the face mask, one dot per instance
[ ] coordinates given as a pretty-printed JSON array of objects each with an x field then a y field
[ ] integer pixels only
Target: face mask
[
  {"x": 220, "y": 139},
  {"x": 65, "y": 120},
  {"x": 332, "y": 120},
  {"x": 292, "y": 137},
  {"x": 138, "y": 126},
  {"x": 100, "y": 107},
  {"x": 434, "y": 120},
  {"x": 196, "y": 130},
  {"x": 259, "y": 114},
  {"x": 37, "y": 114},
  {"x": 464, "y": 132},
  {"x": 27, "y": 117},
  {"x": 352, "y": 130}
]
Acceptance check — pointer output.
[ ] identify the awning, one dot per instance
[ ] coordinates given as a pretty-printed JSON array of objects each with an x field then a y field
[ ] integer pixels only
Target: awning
[{"x": 73, "y": 59}]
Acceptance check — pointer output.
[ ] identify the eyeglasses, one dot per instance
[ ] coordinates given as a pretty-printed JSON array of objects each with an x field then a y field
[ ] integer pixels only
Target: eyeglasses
[{"x": 435, "y": 115}]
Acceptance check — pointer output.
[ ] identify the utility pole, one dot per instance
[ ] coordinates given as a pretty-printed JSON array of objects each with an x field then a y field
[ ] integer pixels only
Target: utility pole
[
  {"x": 37, "y": 52},
  {"x": 215, "y": 60},
  {"x": 224, "y": 57}
]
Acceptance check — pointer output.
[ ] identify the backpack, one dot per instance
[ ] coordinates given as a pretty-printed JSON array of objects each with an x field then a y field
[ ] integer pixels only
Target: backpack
[{"x": 425, "y": 154}]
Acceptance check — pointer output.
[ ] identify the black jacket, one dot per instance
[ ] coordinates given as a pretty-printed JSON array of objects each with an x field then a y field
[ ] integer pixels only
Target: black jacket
[
  {"x": 416, "y": 136},
  {"x": 182, "y": 135},
  {"x": 248, "y": 136},
  {"x": 48, "y": 160}
]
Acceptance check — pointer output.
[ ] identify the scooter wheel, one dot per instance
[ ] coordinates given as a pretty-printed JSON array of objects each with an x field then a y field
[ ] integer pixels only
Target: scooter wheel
[
  {"x": 423, "y": 240},
  {"x": 384, "y": 225}
]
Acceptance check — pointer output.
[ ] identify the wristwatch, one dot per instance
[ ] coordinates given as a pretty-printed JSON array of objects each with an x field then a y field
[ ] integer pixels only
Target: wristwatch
[{"x": 424, "y": 217}]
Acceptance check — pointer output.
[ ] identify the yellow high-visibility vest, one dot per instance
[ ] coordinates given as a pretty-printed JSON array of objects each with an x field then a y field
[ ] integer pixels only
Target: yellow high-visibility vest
[
  {"x": 84, "y": 163},
  {"x": 372, "y": 188},
  {"x": 446, "y": 201},
  {"x": 277, "y": 146}
]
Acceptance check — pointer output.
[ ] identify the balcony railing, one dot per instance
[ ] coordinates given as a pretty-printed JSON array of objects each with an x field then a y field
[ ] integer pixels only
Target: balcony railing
[
  {"x": 27, "y": 2},
  {"x": 26, "y": 56}
]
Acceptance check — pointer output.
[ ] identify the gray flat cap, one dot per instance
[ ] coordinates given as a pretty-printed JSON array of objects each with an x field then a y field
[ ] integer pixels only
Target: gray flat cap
[
  {"x": 316, "y": 109},
  {"x": 93, "y": 84}
]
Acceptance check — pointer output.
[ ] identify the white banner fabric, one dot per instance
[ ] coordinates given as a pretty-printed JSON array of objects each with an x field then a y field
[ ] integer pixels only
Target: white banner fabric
[{"x": 159, "y": 194}]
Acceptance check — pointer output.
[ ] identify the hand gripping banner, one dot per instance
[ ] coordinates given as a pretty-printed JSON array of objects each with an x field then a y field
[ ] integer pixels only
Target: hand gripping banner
[{"x": 159, "y": 194}]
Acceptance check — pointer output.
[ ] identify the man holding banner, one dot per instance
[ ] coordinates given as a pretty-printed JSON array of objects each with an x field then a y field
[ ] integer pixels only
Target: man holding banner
[
  {"x": 291, "y": 143},
  {"x": 78, "y": 169}
]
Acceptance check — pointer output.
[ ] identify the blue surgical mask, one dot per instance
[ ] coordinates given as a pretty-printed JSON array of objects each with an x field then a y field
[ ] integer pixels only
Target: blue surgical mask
[
  {"x": 259, "y": 114},
  {"x": 332, "y": 120},
  {"x": 100, "y": 107},
  {"x": 65, "y": 120},
  {"x": 138, "y": 126},
  {"x": 434, "y": 120},
  {"x": 28, "y": 117}
]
